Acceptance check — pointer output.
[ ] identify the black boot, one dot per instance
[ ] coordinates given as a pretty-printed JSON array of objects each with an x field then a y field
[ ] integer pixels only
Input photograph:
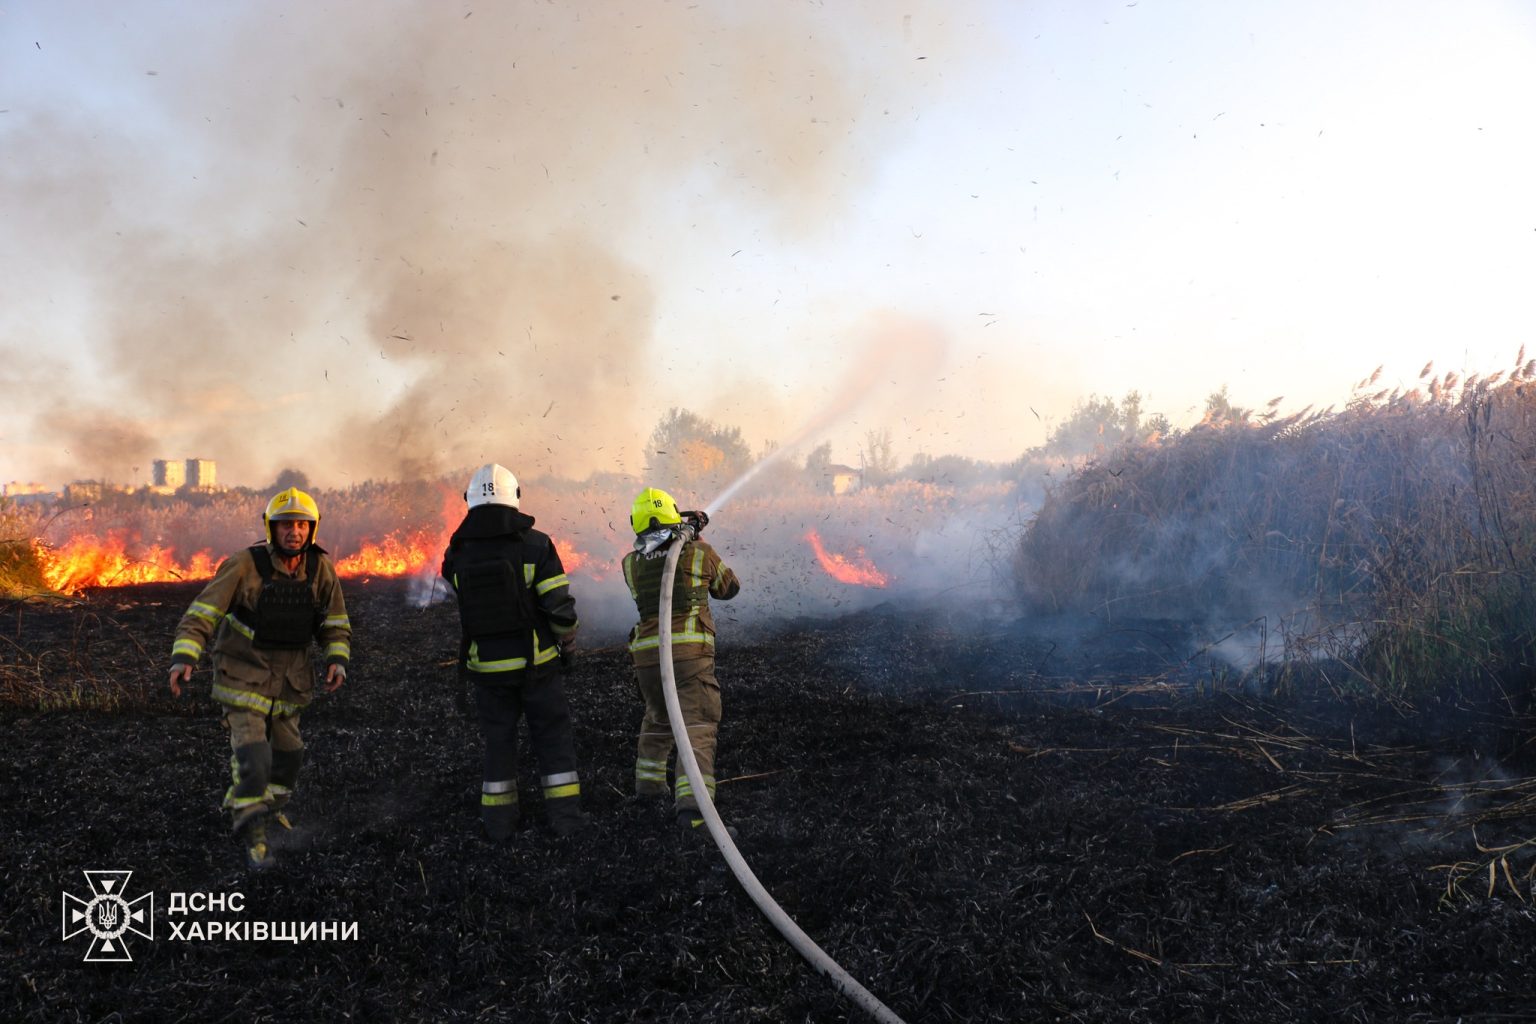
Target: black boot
[
  {"x": 500, "y": 821},
  {"x": 285, "y": 779},
  {"x": 566, "y": 816}
]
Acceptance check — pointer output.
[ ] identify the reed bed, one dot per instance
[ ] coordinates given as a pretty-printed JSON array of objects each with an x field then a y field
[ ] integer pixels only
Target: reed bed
[{"x": 1396, "y": 536}]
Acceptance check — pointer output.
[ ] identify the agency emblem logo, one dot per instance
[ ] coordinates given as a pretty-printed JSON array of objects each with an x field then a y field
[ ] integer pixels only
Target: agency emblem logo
[{"x": 108, "y": 916}]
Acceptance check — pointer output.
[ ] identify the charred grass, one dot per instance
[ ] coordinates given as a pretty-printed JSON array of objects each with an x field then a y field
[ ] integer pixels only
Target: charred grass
[{"x": 979, "y": 827}]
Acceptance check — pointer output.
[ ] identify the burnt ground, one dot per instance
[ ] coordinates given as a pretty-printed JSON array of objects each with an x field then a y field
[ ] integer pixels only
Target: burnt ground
[{"x": 976, "y": 827}]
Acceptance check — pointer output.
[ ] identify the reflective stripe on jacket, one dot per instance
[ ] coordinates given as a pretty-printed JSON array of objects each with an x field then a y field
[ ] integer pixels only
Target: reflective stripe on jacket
[
  {"x": 250, "y": 676},
  {"x": 700, "y": 575},
  {"x": 496, "y": 531}
]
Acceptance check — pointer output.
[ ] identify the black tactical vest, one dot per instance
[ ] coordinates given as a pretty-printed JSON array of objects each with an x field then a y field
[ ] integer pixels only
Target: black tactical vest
[
  {"x": 287, "y": 615},
  {"x": 493, "y": 598}
]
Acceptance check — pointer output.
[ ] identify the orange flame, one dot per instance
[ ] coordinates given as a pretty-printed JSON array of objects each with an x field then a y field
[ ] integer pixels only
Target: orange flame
[
  {"x": 395, "y": 555},
  {"x": 87, "y": 560},
  {"x": 570, "y": 558},
  {"x": 857, "y": 570},
  {"x": 406, "y": 554}
]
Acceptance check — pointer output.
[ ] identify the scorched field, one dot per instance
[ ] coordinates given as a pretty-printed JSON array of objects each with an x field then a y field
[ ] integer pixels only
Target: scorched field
[{"x": 1043, "y": 822}]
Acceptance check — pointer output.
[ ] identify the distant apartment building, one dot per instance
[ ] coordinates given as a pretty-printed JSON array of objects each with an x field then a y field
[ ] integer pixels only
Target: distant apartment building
[
  {"x": 201, "y": 473},
  {"x": 18, "y": 493},
  {"x": 171, "y": 475},
  {"x": 82, "y": 492}
]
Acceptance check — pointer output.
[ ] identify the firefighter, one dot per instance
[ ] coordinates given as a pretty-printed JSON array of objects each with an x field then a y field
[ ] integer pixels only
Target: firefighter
[
  {"x": 700, "y": 576},
  {"x": 518, "y": 622},
  {"x": 264, "y": 609}
]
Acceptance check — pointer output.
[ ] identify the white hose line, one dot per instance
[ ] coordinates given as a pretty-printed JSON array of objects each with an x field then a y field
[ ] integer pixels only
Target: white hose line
[{"x": 802, "y": 942}]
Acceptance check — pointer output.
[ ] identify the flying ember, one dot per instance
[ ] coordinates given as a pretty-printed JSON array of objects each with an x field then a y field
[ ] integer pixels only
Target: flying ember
[{"x": 856, "y": 569}]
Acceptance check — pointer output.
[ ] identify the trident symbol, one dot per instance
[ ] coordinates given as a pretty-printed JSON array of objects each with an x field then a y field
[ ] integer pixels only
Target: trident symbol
[{"x": 108, "y": 916}]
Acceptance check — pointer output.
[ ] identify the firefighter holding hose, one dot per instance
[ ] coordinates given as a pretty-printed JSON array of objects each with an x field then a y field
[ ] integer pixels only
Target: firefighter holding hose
[
  {"x": 264, "y": 609},
  {"x": 700, "y": 576},
  {"x": 518, "y": 619}
]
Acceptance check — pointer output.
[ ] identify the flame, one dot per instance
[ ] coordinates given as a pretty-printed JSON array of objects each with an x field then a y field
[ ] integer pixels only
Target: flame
[
  {"x": 570, "y": 558},
  {"x": 395, "y": 555},
  {"x": 86, "y": 560},
  {"x": 857, "y": 569},
  {"x": 401, "y": 553}
]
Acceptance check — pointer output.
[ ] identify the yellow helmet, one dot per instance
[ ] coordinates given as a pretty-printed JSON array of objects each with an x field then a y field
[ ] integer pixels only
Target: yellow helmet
[
  {"x": 291, "y": 504},
  {"x": 653, "y": 507}
]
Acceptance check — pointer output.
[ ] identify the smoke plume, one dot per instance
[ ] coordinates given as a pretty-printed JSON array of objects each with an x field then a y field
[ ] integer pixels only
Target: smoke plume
[{"x": 384, "y": 240}]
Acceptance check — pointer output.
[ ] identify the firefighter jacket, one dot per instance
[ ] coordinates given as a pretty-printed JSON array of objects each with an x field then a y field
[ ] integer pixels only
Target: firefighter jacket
[
  {"x": 700, "y": 576},
  {"x": 251, "y": 673},
  {"x": 515, "y": 600}
]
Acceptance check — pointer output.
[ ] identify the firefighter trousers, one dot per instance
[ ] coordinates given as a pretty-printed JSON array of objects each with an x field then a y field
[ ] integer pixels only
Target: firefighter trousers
[
  {"x": 266, "y": 753},
  {"x": 539, "y": 695},
  {"x": 698, "y": 696}
]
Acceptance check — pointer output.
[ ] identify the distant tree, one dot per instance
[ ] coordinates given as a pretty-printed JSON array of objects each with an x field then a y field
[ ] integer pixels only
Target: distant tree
[
  {"x": 1159, "y": 426},
  {"x": 950, "y": 470},
  {"x": 776, "y": 472},
  {"x": 1130, "y": 416},
  {"x": 290, "y": 478},
  {"x": 818, "y": 463},
  {"x": 1219, "y": 410},
  {"x": 689, "y": 453},
  {"x": 1098, "y": 423},
  {"x": 879, "y": 457}
]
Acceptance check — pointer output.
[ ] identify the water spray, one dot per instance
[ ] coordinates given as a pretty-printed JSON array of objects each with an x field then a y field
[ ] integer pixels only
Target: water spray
[
  {"x": 752, "y": 471},
  {"x": 802, "y": 942},
  {"x": 917, "y": 346}
]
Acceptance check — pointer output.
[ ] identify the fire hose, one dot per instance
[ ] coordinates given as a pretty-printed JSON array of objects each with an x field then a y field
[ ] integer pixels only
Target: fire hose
[{"x": 802, "y": 942}]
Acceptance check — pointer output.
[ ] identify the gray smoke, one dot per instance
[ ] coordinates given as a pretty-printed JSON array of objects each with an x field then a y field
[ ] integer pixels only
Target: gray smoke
[{"x": 380, "y": 240}]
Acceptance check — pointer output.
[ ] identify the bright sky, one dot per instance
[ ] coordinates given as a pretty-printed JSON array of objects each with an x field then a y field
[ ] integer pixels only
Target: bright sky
[{"x": 380, "y": 239}]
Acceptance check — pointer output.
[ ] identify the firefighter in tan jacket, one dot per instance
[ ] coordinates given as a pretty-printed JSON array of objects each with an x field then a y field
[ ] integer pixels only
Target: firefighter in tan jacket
[
  {"x": 263, "y": 611},
  {"x": 700, "y": 576}
]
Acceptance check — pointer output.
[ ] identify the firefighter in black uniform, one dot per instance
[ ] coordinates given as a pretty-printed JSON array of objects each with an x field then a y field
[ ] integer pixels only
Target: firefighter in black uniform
[{"x": 518, "y": 619}]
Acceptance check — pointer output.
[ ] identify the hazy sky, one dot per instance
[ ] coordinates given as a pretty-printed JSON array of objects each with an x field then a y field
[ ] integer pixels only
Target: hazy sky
[{"x": 381, "y": 239}]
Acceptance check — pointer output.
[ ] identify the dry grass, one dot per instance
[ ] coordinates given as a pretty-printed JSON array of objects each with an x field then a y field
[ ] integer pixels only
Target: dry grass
[
  {"x": 20, "y": 572},
  {"x": 1397, "y": 535}
]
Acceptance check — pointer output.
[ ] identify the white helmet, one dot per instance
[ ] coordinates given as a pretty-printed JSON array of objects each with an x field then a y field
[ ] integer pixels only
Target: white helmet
[{"x": 493, "y": 484}]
